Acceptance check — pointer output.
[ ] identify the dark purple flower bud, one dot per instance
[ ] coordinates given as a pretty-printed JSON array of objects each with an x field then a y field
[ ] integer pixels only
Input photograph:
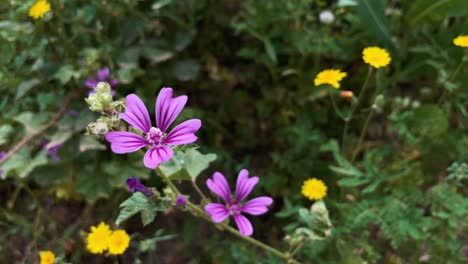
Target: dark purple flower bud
[
  {"x": 180, "y": 200},
  {"x": 2, "y": 154},
  {"x": 134, "y": 185}
]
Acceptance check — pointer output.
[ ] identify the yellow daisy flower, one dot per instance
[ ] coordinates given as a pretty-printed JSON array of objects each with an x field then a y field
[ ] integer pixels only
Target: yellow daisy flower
[
  {"x": 461, "y": 41},
  {"x": 330, "y": 76},
  {"x": 98, "y": 240},
  {"x": 377, "y": 57},
  {"x": 118, "y": 242},
  {"x": 47, "y": 257},
  {"x": 39, "y": 9},
  {"x": 314, "y": 189}
]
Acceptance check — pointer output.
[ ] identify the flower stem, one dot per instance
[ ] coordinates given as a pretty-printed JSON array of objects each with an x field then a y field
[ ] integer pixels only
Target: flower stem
[
  {"x": 197, "y": 211},
  {"x": 354, "y": 107},
  {"x": 195, "y": 186}
]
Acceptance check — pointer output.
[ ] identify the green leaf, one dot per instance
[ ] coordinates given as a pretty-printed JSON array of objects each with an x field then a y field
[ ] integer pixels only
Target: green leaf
[
  {"x": 22, "y": 162},
  {"x": 25, "y": 86},
  {"x": 429, "y": 121},
  {"x": 139, "y": 203},
  {"x": 372, "y": 15},
  {"x": 7, "y": 49},
  {"x": 32, "y": 121},
  {"x": 422, "y": 10},
  {"x": 90, "y": 143},
  {"x": 187, "y": 165},
  {"x": 5, "y": 132},
  {"x": 66, "y": 73},
  {"x": 186, "y": 70}
]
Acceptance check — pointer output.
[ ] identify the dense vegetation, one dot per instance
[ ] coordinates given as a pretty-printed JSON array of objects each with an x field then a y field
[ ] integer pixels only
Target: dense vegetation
[{"x": 393, "y": 154}]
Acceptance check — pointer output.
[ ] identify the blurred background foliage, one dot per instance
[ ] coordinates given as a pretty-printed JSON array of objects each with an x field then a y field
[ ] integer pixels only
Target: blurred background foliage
[{"x": 248, "y": 69}]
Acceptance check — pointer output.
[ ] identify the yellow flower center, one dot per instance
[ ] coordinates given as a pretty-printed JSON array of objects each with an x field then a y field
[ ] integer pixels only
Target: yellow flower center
[{"x": 314, "y": 189}]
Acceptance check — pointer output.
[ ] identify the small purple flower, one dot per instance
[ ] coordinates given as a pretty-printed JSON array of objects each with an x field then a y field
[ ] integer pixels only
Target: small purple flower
[
  {"x": 101, "y": 76},
  {"x": 134, "y": 185},
  {"x": 155, "y": 138},
  {"x": 52, "y": 150},
  {"x": 181, "y": 200},
  {"x": 219, "y": 212}
]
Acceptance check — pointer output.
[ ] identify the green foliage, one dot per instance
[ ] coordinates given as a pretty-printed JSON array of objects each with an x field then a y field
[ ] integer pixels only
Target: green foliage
[{"x": 248, "y": 69}]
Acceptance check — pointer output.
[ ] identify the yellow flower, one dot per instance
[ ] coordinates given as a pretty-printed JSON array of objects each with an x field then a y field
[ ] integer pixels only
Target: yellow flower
[
  {"x": 314, "y": 189},
  {"x": 39, "y": 8},
  {"x": 461, "y": 41},
  {"x": 376, "y": 56},
  {"x": 330, "y": 76},
  {"x": 98, "y": 240},
  {"x": 47, "y": 257},
  {"x": 118, "y": 242}
]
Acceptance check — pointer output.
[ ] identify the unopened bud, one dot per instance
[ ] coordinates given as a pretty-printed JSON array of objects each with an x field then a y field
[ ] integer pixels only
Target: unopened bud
[{"x": 346, "y": 95}]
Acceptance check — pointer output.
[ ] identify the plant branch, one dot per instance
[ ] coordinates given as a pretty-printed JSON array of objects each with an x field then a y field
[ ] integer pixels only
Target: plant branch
[{"x": 38, "y": 131}]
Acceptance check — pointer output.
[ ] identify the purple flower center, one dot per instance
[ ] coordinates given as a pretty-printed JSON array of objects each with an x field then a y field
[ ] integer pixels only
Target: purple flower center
[
  {"x": 234, "y": 209},
  {"x": 155, "y": 137}
]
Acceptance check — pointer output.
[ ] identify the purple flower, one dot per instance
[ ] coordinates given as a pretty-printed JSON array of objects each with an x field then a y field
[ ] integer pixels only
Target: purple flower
[
  {"x": 2, "y": 154},
  {"x": 52, "y": 150},
  {"x": 156, "y": 139},
  {"x": 181, "y": 200},
  {"x": 219, "y": 212},
  {"x": 134, "y": 185},
  {"x": 101, "y": 76}
]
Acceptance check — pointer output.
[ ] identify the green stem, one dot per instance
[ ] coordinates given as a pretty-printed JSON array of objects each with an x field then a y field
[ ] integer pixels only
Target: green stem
[
  {"x": 369, "y": 116},
  {"x": 355, "y": 106},
  {"x": 195, "y": 186},
  {"x": 335, "y": 107},
  {"x": 454, "y": 74},
  {"x": 200, "y": 212}
]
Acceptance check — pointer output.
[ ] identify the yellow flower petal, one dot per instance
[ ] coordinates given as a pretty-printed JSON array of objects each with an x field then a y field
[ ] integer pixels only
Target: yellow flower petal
[
  {"x": 118, "y": 242},
  {"x": 314, "y": 189},
  {"x": 98, "y": 240},
  {"x": 330, "y": 76},
  {"x": 39, "y": 9},
  {"x": 376, "y": 57},
  {"x": 47, "y": 257},
  {"x": 461, "y": 41}
]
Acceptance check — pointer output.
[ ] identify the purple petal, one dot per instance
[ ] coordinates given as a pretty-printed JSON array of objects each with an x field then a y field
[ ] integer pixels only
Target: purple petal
[
  {"x": 125, "y": 142},
  {"x": 244, "y": 225},
  {"x": 168, "y": 108},
  {"x": 156, "y": 156},
  {"x": 112, "y": 92},
  {"x": 184, "y": 133},
  {"x": 244, "y": 185},
  {"x": 91, "y": 83},
  {"x": 218, "y": 212},
  {"x": 136, "y": 113},
  {"x": 220, "y": 186},
  {"x": 257, "y": 206},
  {"x": 103, "y": 73},
  {"x": 114, "y": 82}
]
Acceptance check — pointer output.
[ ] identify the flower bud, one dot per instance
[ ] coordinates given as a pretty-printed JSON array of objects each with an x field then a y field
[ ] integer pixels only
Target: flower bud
[
  {"x": 326, "y": 17},
  {"x": 346, "y": 95},
  {"x": 181, "y": 201}
]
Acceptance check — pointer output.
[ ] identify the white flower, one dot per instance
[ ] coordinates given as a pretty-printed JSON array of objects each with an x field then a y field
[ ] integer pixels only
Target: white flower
[{"x": 326, "y": 17}]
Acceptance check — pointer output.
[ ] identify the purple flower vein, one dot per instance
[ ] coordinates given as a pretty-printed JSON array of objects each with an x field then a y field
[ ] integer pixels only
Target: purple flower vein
[
  {"x": 244, "y": 186},
  {"x": 157, "y": 139}
]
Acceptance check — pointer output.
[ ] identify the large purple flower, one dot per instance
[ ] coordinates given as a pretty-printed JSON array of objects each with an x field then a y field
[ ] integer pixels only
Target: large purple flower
[
  {"x": 233, "y": 206},
  {"x": 156, "y": 139},
  {"x": 101, "y": 76}
]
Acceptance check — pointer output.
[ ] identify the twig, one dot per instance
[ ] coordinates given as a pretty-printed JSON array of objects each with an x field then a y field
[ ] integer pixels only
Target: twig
[{"x": 38, "y": 131}]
